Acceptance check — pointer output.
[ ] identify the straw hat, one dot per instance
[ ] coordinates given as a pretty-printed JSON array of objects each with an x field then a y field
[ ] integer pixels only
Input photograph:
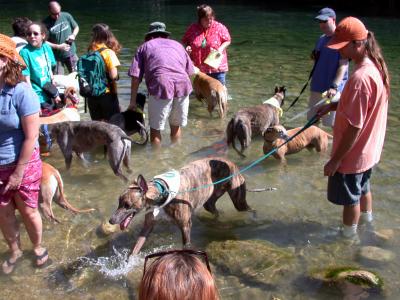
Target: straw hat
[{"x": 8, "y": 49}]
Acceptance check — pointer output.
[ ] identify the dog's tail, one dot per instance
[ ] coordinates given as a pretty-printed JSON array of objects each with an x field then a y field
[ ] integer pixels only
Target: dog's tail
[
  {"x": 236, "y": 129},
  {"x": 62, "y": 200},
  {"x": 222, "y": 100}
]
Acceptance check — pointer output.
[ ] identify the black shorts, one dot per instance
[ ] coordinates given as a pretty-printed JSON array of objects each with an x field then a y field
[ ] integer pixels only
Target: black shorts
[
  {"x": 103, "y": 107},
  {"x": 347, "y": 189}
]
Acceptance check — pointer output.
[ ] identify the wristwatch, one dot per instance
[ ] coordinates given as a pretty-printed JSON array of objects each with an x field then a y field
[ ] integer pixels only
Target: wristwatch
[{"x": 334, "y": 86}]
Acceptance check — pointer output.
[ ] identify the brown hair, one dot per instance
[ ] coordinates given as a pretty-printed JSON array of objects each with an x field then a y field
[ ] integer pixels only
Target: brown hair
[
  {"x": 101, "y": 33},
  {"x": 20, "y": 26},
  {"x": 43, "y": 29},
  {"x": 204, "y": 10},
  {"x": 374, "y": 52},
  {"x": 13, "y": 72},
  {"x": 177, "y": 276}
]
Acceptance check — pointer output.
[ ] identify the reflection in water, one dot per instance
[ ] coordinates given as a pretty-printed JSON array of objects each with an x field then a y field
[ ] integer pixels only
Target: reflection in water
[{"x": 268, "y": 49}]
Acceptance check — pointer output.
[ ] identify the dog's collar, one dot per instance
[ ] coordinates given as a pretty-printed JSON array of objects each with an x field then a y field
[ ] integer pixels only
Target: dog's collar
[
  {"x": 163, "y": 192},
  {"x": 168, "y": 186},
  {"x": 274, "y": 102}
]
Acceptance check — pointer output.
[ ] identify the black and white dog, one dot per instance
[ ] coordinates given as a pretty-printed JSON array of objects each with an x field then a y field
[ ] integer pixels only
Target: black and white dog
[{"x": 132, "y": 121}]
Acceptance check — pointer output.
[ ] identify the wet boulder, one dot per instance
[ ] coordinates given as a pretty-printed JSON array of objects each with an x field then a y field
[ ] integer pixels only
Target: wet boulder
[{"x": 350, "y": 280}]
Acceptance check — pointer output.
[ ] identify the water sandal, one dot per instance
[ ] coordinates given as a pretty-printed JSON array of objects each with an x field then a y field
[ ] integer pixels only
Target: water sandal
[
  {"x": 9, "y": 265},
  {"x": 47, "y": 263}
]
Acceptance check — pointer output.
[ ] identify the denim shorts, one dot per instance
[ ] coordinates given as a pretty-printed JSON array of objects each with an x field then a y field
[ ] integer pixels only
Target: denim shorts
[
  {"x": 347, "y": 189},
  {"x": 221, "y": 76}
]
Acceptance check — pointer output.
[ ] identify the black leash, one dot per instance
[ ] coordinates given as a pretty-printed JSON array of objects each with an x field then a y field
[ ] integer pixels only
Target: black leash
[{"x": 305, "y": 85}]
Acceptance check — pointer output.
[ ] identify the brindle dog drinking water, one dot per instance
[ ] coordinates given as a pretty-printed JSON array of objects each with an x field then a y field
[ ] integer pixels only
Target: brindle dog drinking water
[
  {"x": 196, "y": 189},
  {"x": 251, "y": 121}
]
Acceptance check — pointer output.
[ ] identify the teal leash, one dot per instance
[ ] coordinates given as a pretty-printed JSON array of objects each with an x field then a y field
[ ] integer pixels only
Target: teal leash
[{"x": 311, "y": 122}]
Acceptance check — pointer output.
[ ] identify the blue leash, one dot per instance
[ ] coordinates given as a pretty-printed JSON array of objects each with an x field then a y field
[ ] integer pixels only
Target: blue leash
[{"x": 312, "y": 121}]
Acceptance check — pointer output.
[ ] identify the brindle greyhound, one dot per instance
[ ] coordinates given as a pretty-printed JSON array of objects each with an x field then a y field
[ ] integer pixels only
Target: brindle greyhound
[
  {"x": 251, "y": 121},
  {"x": 196, "y": 189},
  {"x": 83, "y": 136}
]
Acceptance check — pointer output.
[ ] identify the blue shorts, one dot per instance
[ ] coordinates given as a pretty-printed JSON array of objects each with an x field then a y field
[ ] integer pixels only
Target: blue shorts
[
  {"x": 219, "y": 76},
  {"x": 347, "y": 189}
]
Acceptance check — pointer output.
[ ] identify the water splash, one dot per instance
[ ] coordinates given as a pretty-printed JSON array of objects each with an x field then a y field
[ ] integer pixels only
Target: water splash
[{"x": 119, "y": 264}]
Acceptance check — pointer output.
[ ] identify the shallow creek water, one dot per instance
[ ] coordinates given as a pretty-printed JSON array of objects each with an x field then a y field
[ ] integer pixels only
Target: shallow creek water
[{"x": 269, "y": 48}]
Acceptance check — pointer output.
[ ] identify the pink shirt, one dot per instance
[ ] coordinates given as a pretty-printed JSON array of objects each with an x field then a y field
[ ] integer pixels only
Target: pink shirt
[
  {"x": 363, "y": 104},
  {"x": 215, "y": 36}
]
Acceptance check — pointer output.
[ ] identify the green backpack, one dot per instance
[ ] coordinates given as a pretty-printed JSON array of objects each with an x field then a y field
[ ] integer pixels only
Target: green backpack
[{"x": 92, "y": 74}]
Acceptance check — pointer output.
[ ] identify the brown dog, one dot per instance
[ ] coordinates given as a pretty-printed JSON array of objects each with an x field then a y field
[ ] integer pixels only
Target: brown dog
[
  {"x": 251, "y": 121},
  {"x": 69, "y": 112},
  {"x": 312, "y": 137},
  {"x": 51, "y": 185},
  {"x": 212, "y": 92},
  {"x": 195, "y": 189}
]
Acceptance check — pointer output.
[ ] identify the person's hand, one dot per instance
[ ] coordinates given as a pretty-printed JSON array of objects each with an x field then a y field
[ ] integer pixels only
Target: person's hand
[
  {"x": 188, "y": 49},
  {"x": 132, "y": 106},
  {"x": 64, "y": 47},
  {"x": 57, "y": 100},
  {"x": 331, "y": 93},
  {"x": 323, "y": 110},
  {"x": 331, "y": 167},
  {"x": 14, "y": 181},
  {"x": 71, "y": 38}
]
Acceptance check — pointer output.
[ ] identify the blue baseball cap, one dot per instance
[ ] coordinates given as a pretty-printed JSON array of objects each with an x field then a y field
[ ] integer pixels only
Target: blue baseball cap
[{"x": 325, "y": 13}]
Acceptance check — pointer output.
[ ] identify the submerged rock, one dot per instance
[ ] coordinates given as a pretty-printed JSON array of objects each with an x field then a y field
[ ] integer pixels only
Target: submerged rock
[
  {"x": 251, "y": 258},
  {"x": 376, "y": 254},
  {"x": 106, "y": 228},
  {"x": 350, "y": 280}
]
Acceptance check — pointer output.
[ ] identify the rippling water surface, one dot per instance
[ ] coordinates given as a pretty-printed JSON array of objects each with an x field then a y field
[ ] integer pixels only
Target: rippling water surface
[{"x": 269, "y": 48}]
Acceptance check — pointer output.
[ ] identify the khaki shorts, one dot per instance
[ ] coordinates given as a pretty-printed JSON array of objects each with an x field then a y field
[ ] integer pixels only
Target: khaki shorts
[
  {"x": 327, "y": 120},
  {"x": 175, "y": 110}
]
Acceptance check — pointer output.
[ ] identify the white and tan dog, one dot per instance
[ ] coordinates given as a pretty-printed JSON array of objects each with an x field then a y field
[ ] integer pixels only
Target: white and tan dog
[
  {"x": 312, "y": 137},
  {"x": 212, "y": 92},
  {"x": 51, "y": 185}
]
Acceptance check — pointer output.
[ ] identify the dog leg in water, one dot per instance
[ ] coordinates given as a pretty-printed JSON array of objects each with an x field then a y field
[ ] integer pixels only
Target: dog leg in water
[{"x": 144, "y": 233}]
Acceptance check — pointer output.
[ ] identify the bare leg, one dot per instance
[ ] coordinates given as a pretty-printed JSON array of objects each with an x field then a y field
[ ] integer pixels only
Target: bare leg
[
  {"x": 366, "y": 202},
  {"x": 155, "y": 137},
  {"x": 351, "y": 214},
  {"x": 33, "y": 224},
  {"x": 176, "y": 133},
  {"x": 10, "y": 229}
]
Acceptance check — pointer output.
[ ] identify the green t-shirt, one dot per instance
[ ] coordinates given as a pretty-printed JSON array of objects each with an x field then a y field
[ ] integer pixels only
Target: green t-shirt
[
  {"x": 59, "y": 31},
  {"x": 38, "y": 67}
]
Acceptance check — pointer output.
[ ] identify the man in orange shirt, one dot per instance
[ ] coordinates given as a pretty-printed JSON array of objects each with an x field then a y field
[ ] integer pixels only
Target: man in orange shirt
[{"x": 360, "y": 124}]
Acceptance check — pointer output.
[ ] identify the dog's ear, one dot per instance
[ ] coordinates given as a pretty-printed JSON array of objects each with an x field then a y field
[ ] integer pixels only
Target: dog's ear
[
  {"x": 141, "y": 182},
  {"x": 276, "y": 89}
]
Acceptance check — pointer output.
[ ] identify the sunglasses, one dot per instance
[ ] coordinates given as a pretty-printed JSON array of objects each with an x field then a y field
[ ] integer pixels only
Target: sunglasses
[
  {"x": 199, "y": 253},
  {"x": 34, "y": 33},
  {"x": 323, "y": 21}
]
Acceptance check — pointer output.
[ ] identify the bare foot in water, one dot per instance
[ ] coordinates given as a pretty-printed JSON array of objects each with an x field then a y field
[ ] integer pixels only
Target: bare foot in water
[{"x": 9, "y": 264}]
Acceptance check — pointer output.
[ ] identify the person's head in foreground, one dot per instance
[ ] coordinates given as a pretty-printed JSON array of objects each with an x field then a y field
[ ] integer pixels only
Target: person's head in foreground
[
  {"x": 354, "y": 41},
  {"x": 177, "y": 274}
]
